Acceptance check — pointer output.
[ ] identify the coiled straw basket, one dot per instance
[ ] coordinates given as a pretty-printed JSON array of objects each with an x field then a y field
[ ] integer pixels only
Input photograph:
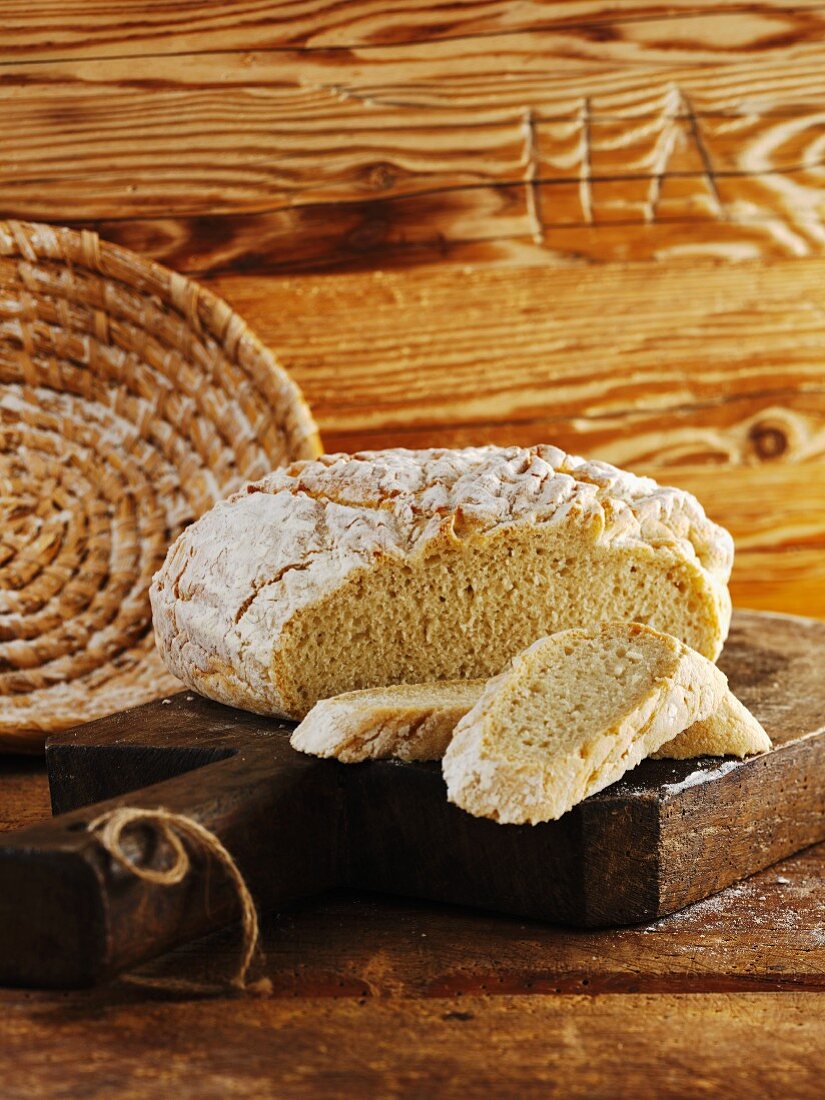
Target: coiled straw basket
[{"x": 131, "y": 400}]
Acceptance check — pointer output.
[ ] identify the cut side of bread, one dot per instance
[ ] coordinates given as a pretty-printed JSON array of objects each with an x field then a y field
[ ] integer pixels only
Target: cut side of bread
[
  {"x": 417, "y": 721},
  {"x": 400, "y": 567},
  {"x": 571, "y": 715}
]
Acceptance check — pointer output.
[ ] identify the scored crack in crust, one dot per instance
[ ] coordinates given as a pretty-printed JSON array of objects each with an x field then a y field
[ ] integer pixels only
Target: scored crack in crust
[{"x": 286, "y": 592}]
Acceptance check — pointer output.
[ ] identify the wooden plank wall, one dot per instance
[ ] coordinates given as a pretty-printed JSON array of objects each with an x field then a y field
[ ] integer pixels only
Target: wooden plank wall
[{"x": 593, "y": 224}]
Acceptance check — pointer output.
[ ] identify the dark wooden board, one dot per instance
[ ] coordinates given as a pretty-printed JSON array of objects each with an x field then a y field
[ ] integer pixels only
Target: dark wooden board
[{"x": 668, "y": 834}]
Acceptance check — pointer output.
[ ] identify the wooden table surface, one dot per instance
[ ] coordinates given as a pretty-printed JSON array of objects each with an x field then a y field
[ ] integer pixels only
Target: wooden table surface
[
  {"x": 600, "y": 225},
  {"x": 375, "y": 997}
]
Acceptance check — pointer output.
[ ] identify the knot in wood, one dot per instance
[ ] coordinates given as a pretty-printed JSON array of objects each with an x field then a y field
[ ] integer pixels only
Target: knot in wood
[
  {"x": 380, "y": 176},
  {"x": 768, "y": 441}
]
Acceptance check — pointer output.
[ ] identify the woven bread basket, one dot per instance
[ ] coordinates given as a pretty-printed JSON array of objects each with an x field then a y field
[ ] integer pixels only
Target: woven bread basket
[{"x": 131, "y": 399}]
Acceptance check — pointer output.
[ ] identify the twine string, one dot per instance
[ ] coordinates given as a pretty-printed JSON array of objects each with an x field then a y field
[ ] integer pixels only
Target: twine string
[{"x": 173, "y": 829}]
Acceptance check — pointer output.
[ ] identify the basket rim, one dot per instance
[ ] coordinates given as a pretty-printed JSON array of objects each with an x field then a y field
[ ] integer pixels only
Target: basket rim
[{"x": 200, "y": 308}]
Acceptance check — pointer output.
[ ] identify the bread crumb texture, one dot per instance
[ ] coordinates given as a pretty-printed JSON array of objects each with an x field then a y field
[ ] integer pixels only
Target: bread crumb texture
[
  {"x": 357, "y": 571},
  {"x": 571, "y": 715}
]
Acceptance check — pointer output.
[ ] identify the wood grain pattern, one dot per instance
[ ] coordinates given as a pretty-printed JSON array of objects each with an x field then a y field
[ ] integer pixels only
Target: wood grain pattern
[
  {"x": 711, "y": 378},
  {"x": 411, "y": 190},
  {"x": 270, "y": 133},
  {"x": 453, "y": 999},
  {"x": 422, "y": 146},
  {"x": 453, "y": 350},
  {"x": 544, "y": 146},
  {"x": 402, "y": 154},
  {"x": 761, "y": 934},
  {"x": 764, "y": 934},
  {"x": 468, "y": 1047},
  {"x": 39, "y": 30},
  {"x": 24, "y": 792}
]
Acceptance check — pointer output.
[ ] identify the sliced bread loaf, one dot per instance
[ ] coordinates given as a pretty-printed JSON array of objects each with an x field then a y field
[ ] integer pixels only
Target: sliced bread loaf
[
  {"x": 417, "y": 721},
  {"x": 357, "y": 571},
  {"x": 571, "y": 715}
]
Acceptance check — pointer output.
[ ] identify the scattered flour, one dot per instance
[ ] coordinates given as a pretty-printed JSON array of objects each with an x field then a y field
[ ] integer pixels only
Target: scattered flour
[
  {"x": 741, "y": 907},
  {"x": 695, "y": 779}
]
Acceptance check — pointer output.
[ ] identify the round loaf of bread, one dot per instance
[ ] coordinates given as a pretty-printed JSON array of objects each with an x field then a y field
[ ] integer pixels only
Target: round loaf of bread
[{"x": 357, "y": 571}]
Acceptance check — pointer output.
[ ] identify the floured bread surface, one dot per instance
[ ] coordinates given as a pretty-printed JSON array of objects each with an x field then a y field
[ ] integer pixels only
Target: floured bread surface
[
  {"x": 409, "y": 721},
  {"x": 730, "y": 731},
  {"x": 358, "y": 571},
  {"x": 571, "y": 715},
  {"x": 417, "y": 721}
]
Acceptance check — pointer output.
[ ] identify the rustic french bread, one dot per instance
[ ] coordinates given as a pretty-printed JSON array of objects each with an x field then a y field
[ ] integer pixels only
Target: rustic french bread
[
  {"x": 417, "y": 721},
  {"x": 356, "y": 571},
  {"x": 571, "y": 715}
]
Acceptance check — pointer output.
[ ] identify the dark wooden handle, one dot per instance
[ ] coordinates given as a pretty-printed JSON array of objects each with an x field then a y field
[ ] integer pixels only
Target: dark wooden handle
[{"x": 70, "y": 915}]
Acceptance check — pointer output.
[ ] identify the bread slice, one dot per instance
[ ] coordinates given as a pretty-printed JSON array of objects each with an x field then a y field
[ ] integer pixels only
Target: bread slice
[
  {"x": 730, "y": 731},
  {"x": 571, "y": 715},
  {"x": 417, "y": 721},
  {"x": 390, "y": 567},
  {"x": 408, "y": 721}
]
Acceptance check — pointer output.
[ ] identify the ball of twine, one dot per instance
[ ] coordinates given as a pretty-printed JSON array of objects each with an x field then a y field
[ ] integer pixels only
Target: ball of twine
[{"x": 131, "y": 400}]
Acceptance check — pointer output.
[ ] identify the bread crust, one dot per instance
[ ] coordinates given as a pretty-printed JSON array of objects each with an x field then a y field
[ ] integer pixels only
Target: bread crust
[
  {"x": 730, "y": 731},
  {"x": 408, "y": 721},
  {"x": 236, "y": 579}
]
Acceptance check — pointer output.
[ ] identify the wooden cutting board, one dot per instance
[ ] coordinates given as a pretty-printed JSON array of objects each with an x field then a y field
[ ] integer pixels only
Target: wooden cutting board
[{"x": 668, "y": 834}]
